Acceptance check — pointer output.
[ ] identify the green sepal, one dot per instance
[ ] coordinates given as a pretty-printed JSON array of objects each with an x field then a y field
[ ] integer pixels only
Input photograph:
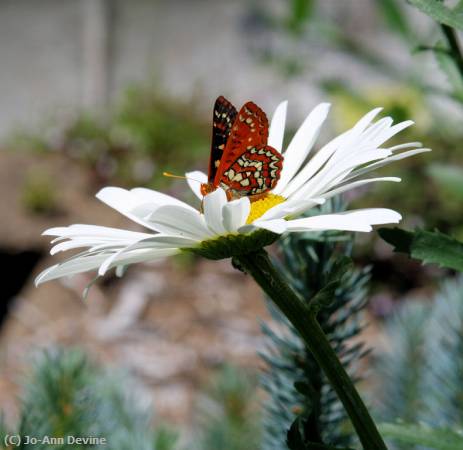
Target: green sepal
[{"x": 231, "y": 245}]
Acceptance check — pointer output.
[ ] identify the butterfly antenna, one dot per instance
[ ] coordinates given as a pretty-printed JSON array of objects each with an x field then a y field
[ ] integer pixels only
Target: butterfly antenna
[{"x": 171, "y": 175}]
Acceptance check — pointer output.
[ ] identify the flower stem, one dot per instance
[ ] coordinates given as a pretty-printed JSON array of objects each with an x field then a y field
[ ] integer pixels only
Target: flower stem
[{"x": 259, "y": 266}]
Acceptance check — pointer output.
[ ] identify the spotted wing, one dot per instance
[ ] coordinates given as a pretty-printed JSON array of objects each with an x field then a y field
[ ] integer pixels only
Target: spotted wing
[
  {"x": 254, "y": 172},
  {"x": 249, "y": 130},
  {"x": 224, "y": 116}
]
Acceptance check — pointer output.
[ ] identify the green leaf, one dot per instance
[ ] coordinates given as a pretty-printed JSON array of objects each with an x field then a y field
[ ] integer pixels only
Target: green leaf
[
  {"x": 458, "y": 8},
  {"x": 165, "y": 439},
  {"x": 304, "y": 388},
  {"x": 439, "y": 12},
  {"x": 294, "y": 438},
  {"x": 438, "y": 439},
  {"x": 448, "y": 66},
  {"x": 341, "y": 266},
  {"x": 394, "y": 16},
  {"x": 324, "y": 297},
  {"x": 301, "y": 11},
  {"x": 449, "y": 178},
  {"x": 401, "y": 239},
  {"x": 431, "y": 247}
]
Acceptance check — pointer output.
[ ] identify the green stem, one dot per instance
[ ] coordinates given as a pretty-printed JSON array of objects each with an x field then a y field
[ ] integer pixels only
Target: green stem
[
  {"x": 454, "y": 46},
  {"x": 259, "y": 266}
]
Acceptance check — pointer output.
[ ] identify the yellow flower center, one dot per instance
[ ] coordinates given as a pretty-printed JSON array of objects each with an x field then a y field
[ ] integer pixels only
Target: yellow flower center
[{"x": 262, "y": 205}]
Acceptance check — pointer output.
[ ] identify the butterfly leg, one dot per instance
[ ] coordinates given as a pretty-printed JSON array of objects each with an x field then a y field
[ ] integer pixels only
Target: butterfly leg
[{"x": 229, "y": 195}]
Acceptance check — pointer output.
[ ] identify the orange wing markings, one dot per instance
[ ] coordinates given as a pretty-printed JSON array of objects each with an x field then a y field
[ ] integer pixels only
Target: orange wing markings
[
  {"x": 249, "y": 130},
  {"x": 241, "y": 162}
]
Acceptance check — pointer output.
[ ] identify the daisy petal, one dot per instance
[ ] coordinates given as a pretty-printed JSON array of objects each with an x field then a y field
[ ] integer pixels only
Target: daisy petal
[
  {"x": 406, "y": 145},
  {"x": 336, "y": 147},
  {"x": 213, "y": 204},
  {"x": 275, "y": 226},
  {"x": 301, "y": 144},
  {"x": 124, "y": 202},
  {"x": 79, "y": 243},
  {"x": 158, "y": 198},
  {"x": 375, "y": 216},
  {"x": 397, "y": 128},
  {"x": 277, "y": 127},
  {"x": 385, "y": 161},
  {"x": 165, "y": 241},
  {"x": 145, "y": 255},
  {"x": 290, "y": 208},
  {"x": 70, "y": 268},
  {"x": 235, "y": 214},
  {"x": 93, "y": 262},
  {"x": 363, "y": 123},
  {"x": 179, "y": 221},
  {"x": 334, "y": 174},
  {"x": 356, "y": 135},
  {"x": 358, "y": 183},
  {"x": 97, "y": 231},
  {"x": 360, "y": 220},
  {"x": 331, "y": 222},
  {"x": 161, "y": 243},
  {"x": 194, "y": 180},
  {"x": 313, "y": 165}
]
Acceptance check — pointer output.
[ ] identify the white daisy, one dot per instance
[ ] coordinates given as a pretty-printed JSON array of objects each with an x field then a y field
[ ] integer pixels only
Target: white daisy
[{"x": 175, "y": 226}]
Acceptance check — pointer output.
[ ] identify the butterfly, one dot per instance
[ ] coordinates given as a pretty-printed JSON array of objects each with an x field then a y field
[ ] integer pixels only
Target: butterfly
[{"x": 241, "y": 162}]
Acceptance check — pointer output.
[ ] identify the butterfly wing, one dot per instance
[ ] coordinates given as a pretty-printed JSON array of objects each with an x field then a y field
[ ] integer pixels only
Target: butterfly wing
[
  {"x": 255, "y": 171},
  {"x": 250, "y": 129},
  {"x": 224, "y": 116},
  {"x": 249, "y": 166}
]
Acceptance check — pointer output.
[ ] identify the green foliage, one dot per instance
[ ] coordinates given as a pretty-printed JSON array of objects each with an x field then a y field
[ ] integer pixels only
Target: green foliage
[
  {"x": 449, "y": 179},
  {"x": 448, "y": 55},
  {"x": 160, "y": 127},
  {"x": 420, "y": 378},
  {"x": 443, "y": 373},
  {"x": 295, "y": 439},
  {"x": 431, "y": 247},
  {"x": 66, "y": 395},
  {"x": 85, "y": 138},
  {"x": 442, "y": 134},
  {"x": 297, "y": 388},
  {"x": 449, "y": 67},
  {"x": 143, "y": 134},
  {"x": 229, "y": 417},
  {"x": 301, "y": 11},
  {"x": 165, "y": 438},
  {"x": 439, "y": 439},
  {"x": 437, "y": 10},
  {"x": 394, "y": 16},
  {"x": 38, "y": 194},
  {"x": 402, "y": 367},
  {"x": 406, "y": 95},
  {"x": 33, "y": 141}
]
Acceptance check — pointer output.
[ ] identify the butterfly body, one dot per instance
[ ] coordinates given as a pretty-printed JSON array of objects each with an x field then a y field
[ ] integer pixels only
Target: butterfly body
[{"x": 241, "y": 162}]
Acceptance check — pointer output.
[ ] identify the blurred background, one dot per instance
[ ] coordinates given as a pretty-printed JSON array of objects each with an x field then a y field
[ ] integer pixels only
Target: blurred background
[{"x": 107, "y": 92}]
